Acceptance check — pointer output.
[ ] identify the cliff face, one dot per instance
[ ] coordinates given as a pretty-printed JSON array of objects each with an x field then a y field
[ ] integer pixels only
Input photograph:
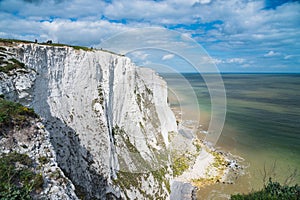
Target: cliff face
[{"x": 108, "y": 120}]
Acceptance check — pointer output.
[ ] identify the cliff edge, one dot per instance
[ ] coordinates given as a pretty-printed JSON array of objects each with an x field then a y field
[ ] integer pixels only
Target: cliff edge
[{"x": 105, "y": 121}]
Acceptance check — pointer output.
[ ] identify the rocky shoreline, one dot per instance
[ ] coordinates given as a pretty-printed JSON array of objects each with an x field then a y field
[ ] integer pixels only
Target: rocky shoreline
[
  {"x": 210, "y": 166},
  {"x": 185, "y": 187},
  {"x": 234, "y": 166}
]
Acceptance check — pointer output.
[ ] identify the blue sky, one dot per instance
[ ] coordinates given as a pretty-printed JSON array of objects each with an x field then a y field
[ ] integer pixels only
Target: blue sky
[{"x": 239, "y": 35}]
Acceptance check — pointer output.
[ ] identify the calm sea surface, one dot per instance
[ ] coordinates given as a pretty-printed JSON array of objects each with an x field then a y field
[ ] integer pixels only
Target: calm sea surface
[{"x": 262, "y": 124}]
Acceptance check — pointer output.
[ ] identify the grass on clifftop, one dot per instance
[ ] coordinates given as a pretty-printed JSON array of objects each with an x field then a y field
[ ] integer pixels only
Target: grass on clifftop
[
  {"x": 63, "y": 45},
  {"x": 11, "y": 41}
]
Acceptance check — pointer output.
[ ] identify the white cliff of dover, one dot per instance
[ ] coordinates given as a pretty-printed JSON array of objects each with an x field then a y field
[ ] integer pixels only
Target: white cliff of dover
[{"x": 107, "y": 118}]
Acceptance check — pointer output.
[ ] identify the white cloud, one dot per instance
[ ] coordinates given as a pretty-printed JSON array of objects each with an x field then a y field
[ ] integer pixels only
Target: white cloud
[
  {"x": 217, "y": 61},
  {"x": 168, "y": 57},
  {"x": 271, "y": 54},
  {"x": 139, "y": 55},
  {"x": 228, "y": 60},
  {"x": 235, "y": 60},
  {"x": 241, "y": 28}
]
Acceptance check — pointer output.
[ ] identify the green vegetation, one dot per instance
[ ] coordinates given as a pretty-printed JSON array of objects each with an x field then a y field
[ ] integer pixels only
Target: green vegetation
[
  {"x": 11, "y": 41},
  {"x": 17, "y": 177},
  {"x": 17, "y": 63},
  {"x": 43, "y": 160},
  {"x": 66, "y": 45},
  {"x": 55, "y": 175},
  {"x": 2, "y": 49},
  {"x": 80, "y": 192},
  {"x": 200, "y": 182},
  {"x": 197, "y": 144},
  {"x": 127, "y": 179},
  {"x": 14, "y": 114},
  {"x": 101, "y": 95},
  {"x": 160, "y": 175},
  {"x": 272, "y": 191},
  {"x": 100, "y": 98},
  {"x": 82, "y": 48},
  {"x": 10, "y": 65},
  {"x": 181, "y": 161},
  {"x": 219, "y": 161},
  {"x": 139, "y": 101},
  {"x": 179, "y": 165},
  {"x": 148, "y": 90},
  {"x": 104, "y": 50},
  {"x": 219, "y": 165},
  {"x": 119, "y": 131}
]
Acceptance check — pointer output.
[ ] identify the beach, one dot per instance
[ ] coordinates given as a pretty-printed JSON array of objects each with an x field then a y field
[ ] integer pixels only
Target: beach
[{"x": 206, "y": 165}]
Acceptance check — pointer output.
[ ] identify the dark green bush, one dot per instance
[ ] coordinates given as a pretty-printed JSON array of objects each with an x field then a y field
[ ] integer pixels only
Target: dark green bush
[
  {"x": 43, "y": 160},
  {"x": 14, "y": 114},
  {"x": 11, "y": 65},
  {"x": 17, "y": 177},
  {"x": 83, "y": 48},
  {"x": 272, "y": 191},
  {"x": 3, "y": 49},
  {"x": 17, "y": 63}
]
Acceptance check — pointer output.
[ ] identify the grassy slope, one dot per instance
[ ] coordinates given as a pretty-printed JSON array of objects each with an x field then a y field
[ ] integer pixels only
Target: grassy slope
[{"x": 12, "y": 41}]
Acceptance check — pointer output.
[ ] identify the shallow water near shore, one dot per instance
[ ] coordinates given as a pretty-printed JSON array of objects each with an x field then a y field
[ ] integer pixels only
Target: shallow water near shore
[{"x": 262, "y": 125}]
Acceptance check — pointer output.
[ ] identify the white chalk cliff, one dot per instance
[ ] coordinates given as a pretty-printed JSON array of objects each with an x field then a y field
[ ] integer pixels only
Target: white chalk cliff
[{"x": 108, "y": 120}]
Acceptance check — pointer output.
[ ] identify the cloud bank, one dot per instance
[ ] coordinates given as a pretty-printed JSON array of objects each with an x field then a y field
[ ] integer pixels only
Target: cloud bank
[{"x": 264, "y": 35}]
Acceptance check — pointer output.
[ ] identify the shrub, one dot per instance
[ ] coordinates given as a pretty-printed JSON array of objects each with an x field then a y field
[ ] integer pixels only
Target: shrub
[
  {"x": 11, "y": 65},
  {"x": 14, "y": 114},
  {"x": 43, "y": 160},
  {"x": 17, "y": 177},
  {"x": 17, "y": 63},
  {"x": 3, "y": 49},
  {"x": 82, "y": 48},
  {"x": 272, "y": 191},
  {"x": 179, "y": 165}
]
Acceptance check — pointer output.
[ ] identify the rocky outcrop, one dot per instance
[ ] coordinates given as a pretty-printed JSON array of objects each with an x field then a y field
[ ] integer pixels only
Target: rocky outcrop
[
  {"x": 33, "y": 140},
  {"x": 108, "y": 121}
]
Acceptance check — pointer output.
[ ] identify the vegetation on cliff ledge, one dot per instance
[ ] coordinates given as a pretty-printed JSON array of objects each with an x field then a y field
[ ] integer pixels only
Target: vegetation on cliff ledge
[
  {"x": 14, "y": 114},
  {"x": 17, "y": 177},
  {"x": 7, "y": 65},
  {"x": 180, "y": 164},
  {"x": 11, "y": 64}
]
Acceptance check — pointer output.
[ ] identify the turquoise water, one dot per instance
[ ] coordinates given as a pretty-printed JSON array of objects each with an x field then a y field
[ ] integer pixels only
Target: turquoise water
[{"x": 262, "y": 123}]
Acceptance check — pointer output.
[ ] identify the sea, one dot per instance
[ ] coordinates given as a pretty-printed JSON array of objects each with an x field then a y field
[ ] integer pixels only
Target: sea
[{"x": 262, "y": 125}]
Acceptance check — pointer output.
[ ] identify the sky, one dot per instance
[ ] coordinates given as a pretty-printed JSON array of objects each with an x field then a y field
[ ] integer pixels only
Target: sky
[{"x": 238, "y": 35}]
